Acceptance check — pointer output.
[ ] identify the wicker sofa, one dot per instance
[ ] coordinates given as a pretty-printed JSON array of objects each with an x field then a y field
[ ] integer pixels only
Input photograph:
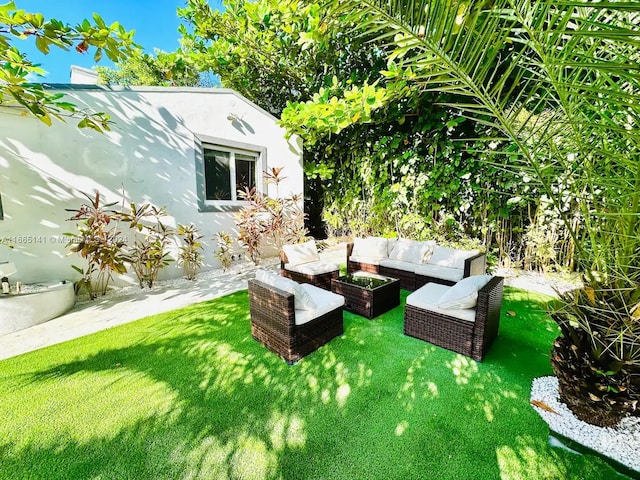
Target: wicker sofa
[
  {"x": 469, "y": 331},
  {"x": 285, "y": 328},
  {"x": 301, "y": 263},
  {"x": 414, "y": 263}
]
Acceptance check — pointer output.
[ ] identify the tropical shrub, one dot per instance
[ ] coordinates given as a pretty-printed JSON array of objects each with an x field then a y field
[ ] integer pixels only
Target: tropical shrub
[
  {"x": 148, "y": 254},
  {"x": 190, "y": 256},
  {"x": 223, "y": 249},
  {"x": 275, "y": 221},
  {"x": 99, "y": 242}
]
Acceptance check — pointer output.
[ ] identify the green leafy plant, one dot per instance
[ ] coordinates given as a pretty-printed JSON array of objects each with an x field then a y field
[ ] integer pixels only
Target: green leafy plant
[
  {"x": 190, "y": 256},
  {"x": 98, "y": 241},
  {"x": 558, "y": 80},
  {"x": 148, "y": 253},
  {"x": 276, "y": 220},
  {"x": 16, "y": 89},
  {"x": 223, "y": 249}
]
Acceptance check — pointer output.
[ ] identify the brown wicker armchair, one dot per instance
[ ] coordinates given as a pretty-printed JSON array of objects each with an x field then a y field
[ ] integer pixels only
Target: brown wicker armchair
[
  {"x": 321, "y": 279},
  {"x": 273, "y": 323},
  {"x": 470, "y": 338}
]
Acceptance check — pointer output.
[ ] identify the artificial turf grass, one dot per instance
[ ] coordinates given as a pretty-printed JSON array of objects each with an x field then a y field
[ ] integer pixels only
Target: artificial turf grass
[{"x": 189, "y": 394}]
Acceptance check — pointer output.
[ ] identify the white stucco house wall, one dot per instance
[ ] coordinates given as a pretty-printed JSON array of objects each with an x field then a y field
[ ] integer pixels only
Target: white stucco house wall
[{"x": 178, "y": 148}]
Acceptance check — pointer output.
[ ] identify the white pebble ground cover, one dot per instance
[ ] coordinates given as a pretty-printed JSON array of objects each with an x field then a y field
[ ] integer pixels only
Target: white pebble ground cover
[{"x": 620, "y": 443}]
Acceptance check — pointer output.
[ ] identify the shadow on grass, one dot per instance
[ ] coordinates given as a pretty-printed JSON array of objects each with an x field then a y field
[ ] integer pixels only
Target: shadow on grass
[{"x": 190, "y": 394}]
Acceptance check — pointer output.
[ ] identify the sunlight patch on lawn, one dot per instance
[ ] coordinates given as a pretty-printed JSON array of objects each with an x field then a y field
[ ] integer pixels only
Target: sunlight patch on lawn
[
  {"x": 252, "y": 460},
  {"x": 286, "y": 431},
  {"x": 522, "y": 462},
  {"x": 342, "y": 394},
  {"x": 401, "y": 427},
  {"x": 246, "y": 457},
  {"x": 228, "y": 368},
  {"x": 426, "y": 388},
  {"x": 463, "y": 368},
  {"x": 87, "y": 406}
]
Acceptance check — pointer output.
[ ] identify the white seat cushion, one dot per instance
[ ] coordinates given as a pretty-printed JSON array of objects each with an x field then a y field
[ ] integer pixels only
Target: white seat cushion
[
  {"x": 375, "y": 247},
  {"x": 369, "y": 260},
  {"x": 301, "y": 252},
  {"x": 302, "y": 300},
  {"x": 428, "y": 296},
  {"x": 450, "y": 257},
  {"x": 445, "y": 273},
  {"x": 464, "y": 294},
  {"x": 406, "y": 266},
  {"x": 326, "y": 301},
  {"x": 312, "y": 268}
]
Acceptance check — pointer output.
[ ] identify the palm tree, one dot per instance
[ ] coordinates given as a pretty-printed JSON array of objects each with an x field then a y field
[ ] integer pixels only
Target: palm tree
[{"x": 561, "y": 80}]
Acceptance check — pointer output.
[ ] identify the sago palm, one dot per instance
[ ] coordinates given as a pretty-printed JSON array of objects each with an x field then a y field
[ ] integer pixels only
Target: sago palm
[{"x": 561, "y": 81}]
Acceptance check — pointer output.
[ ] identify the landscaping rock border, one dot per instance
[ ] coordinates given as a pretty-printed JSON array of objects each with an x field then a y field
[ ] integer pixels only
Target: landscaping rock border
[{"x": 618, "y": 445}]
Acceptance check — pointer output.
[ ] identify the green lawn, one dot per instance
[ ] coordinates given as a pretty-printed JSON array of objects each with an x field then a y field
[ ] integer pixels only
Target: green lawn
[{"x": 190, "y": 395}]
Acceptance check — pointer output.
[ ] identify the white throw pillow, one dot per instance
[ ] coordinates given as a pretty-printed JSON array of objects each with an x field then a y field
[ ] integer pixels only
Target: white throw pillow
[
  {"x": 427, "y": 251},
  {"x": 411, "y": 251},
  {"x": 463, "y": 294},
  {"x": 300, "y": 253},
  {"x": 374, "y": 247},
  {"x": 301, "y": 297},
  {"x": 450, "y": 257}
]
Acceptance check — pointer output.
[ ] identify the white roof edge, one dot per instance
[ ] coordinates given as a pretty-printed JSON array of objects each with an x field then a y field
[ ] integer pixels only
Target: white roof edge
[
  {"x": 142, "y": 89},
  {"x": 83, "y": 69}
]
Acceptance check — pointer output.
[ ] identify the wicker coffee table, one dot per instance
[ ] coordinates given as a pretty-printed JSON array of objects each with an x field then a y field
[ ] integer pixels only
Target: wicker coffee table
[{"x": 367, "y": 294}]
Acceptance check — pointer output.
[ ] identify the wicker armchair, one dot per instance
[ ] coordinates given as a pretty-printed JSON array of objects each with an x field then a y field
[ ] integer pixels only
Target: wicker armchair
[
  {"x": 273, "y": 323},
  {"x": 316, "y": 273},
  {"x": 470, "y": 338}
]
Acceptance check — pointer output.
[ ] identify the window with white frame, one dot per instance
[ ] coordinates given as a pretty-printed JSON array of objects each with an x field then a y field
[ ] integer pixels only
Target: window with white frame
[{"x": 228, "y": 170}]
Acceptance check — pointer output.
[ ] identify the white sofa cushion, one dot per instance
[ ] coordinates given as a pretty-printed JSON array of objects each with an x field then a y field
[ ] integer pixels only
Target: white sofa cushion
[
  {"x": 428, "y": 296},
  {"x": 375, "y": 247},
  {"x": 325, "y": 301},
  {"x": 412, "y": 251},
  {"x": 300, "y": 253},
  {"x": 444, "y": 273},
  {"x": 312, "y": 268},
  {"x": 302, "y": 300},
  {"x": 369, "y": 260},
  {"x": 463, "y": 294},
  {"x": 400, "y": 265},
  {"x": 450, "y": 257}
]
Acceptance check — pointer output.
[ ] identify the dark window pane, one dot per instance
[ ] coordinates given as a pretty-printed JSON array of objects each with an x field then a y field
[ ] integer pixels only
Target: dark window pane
[
  {"x": 217, "y": 175},
  {"x": 245, "y": 172}
]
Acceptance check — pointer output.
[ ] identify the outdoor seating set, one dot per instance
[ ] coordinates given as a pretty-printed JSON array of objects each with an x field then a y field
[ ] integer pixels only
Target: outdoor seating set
[{"x": 454, "y": 304}]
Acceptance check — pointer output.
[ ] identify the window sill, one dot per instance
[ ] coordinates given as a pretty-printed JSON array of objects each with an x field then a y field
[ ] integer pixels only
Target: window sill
[{"x": 221, "y": 207}]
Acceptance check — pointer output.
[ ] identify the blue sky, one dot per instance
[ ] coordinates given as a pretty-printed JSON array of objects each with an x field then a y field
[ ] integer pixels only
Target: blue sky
[{"x": 155, "y": 22}]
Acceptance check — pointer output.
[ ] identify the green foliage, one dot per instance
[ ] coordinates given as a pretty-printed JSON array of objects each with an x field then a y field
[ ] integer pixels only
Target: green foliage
[
  {"x": 15, "y": 69},
  {"x": 148, "y": 253},
  {"x": 276, "y": 52},
  {"x": 326, "y": 113},
  {"x": 161, "y": 69},
  {"x": 190, "y": 256},
  {"x": 380, "y": 157},
  {"x": 276, "y": 220},
  {"x": 223, "y": 250},
  {"x": 559, "y": 80},
  {"x": 100, "y": 242}
]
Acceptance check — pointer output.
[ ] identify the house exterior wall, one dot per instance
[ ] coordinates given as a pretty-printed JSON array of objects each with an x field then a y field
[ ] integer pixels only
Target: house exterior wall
[{"x": 153, "y": 152}]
